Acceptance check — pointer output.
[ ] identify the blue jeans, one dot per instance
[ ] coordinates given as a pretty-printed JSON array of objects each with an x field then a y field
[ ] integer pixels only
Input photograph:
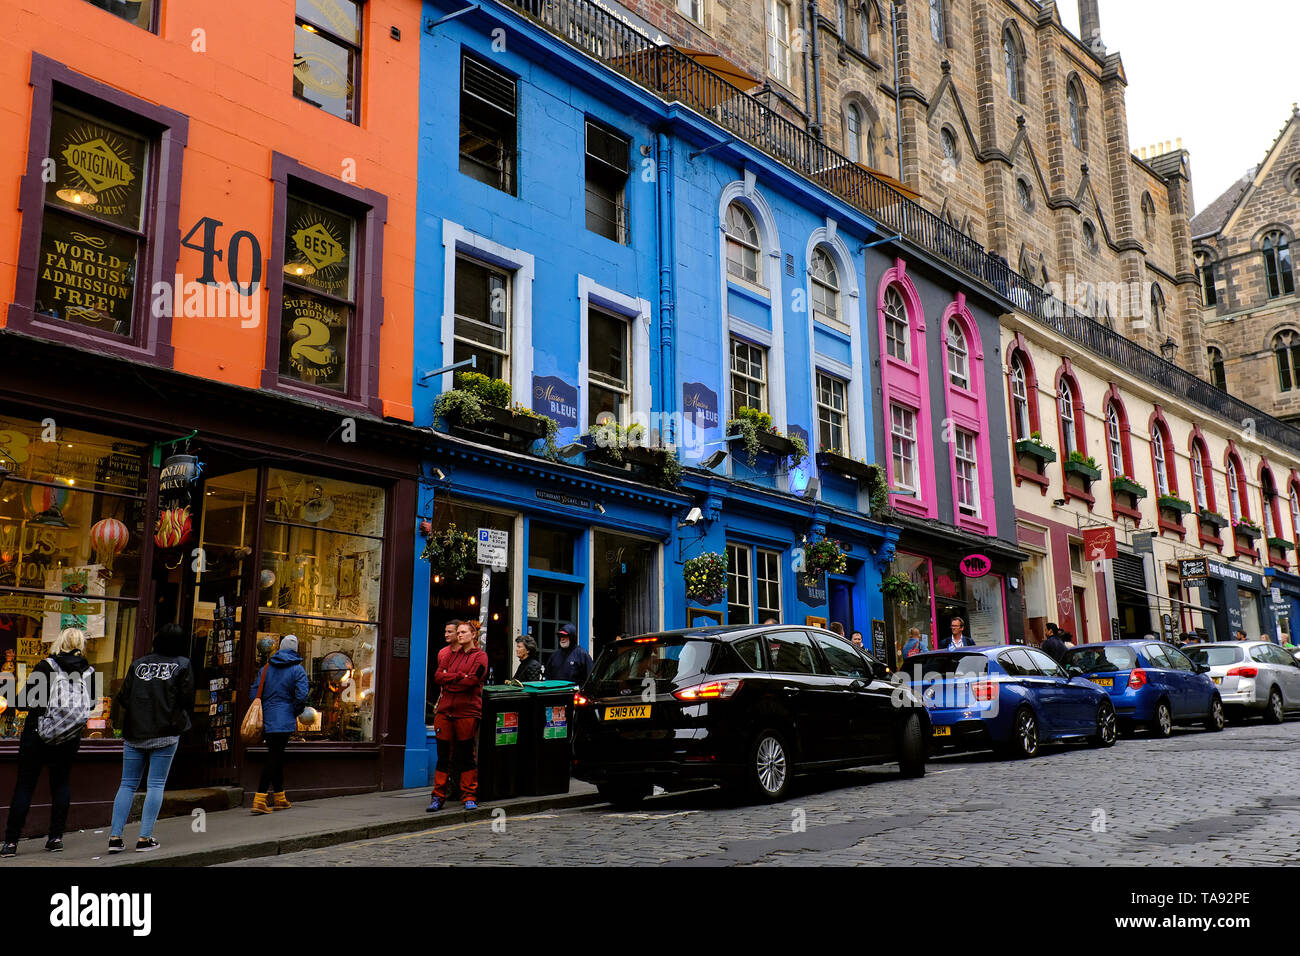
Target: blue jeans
[{"x": 134, "y": 764}]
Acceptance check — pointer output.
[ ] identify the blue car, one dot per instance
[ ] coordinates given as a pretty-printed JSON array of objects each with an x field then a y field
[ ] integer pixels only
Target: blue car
[
  {"x": 1151, "y": 683},
  {"x": 1011, "y": 698}
]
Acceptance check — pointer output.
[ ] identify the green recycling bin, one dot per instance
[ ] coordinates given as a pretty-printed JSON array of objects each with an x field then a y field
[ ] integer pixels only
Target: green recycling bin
[
  {"x": 501, "y": 735},
  {"x": 546, "y": 758}
]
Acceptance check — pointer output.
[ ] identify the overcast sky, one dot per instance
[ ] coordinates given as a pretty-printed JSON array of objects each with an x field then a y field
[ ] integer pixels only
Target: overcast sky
[{"x": 1221, "y": 76}]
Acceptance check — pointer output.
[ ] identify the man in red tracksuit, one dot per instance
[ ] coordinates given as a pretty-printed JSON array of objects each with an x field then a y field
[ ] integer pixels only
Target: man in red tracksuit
[{"x": 462, "y": 669}]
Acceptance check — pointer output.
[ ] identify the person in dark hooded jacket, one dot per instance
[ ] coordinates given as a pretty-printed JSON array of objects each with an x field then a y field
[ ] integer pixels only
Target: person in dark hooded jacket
[
  {"x": 530, "y": 667},
  {"x": 284, "y": 697},
  {"x": 571, "y": 662},
  {"x": 1054, "y": 645},
  {"x": 34, "y": 753},
  {"x": 153, "y": 708}
]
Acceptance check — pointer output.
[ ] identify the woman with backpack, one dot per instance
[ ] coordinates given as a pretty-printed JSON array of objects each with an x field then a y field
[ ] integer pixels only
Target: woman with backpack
[
  {"x": 153, "y": 709},
  {"x": 57, "y": 698},
  {"x": 283, "y": 688}
]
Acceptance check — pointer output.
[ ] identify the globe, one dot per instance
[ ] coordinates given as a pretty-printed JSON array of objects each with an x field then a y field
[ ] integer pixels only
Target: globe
[
  {"x": 265, "y": 645},
  {"x": 337, "y": 670}
]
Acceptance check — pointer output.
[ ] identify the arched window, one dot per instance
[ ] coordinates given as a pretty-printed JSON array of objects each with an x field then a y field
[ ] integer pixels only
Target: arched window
[
  {"x": 1069, "y": 427},
  {"x": 898, "y": 334},
  {"x": 1286, "y": 349},
  {"x": 864, "y": 29},
  {"x": 1205, "y": 277},
  {"x": 1089, "y": 235},
  {"x": 1075, "y": 103},
  {"x": 1218, "y": 377},
  {"x": 825, "y": 288},
  {"x": 1019, "y": 398},
  {"x": 936, "y": 21},
  {"x": 1114, "y": 442},
  {"x": 744, "y": 256},
  {"x": 853, "y": 132},
  {"x": 1268, "y": 501},
  {"x": 1025, "y": 196},
  {"x": 1277, "y": 264},
  {"x": 1158, "y": 460},
  {"x": 842, "y": 13},
  {"x": 1157, "y": 307},
  {"x": 1238, "y": 507},
  {"x": 958, "y": 355},
  {"x": 949, "y": 143},
  {"x": 1148, "y": 215},
  {"x": 1294, "y": 499},
  {"x": 1013, "y": 59},
  {"x": 1201, "y": 477}
]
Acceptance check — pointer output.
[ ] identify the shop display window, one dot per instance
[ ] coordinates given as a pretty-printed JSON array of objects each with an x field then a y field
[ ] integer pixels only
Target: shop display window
[
  {"x": 917, "y": 613},
  {"x": 72, "y": 519}
]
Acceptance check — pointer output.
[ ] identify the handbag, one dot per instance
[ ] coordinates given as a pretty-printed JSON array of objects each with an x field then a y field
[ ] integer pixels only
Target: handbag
[{"x": 250, "y": 731}]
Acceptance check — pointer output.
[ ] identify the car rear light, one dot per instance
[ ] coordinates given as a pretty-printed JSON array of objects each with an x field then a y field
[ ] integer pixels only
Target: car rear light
[
  {"x": 713, "y": 690},
  {"x": 579, "y": 700},
  {"x": 1243, "y": 672},
  {"x": 644, "y": 640},
  {"x": 984, "y": 690},
  {"x": 1137, "y": 679}
]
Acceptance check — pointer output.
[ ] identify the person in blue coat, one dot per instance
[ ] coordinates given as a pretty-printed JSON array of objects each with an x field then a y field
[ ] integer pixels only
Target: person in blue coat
[{"x": 284, "y": 697}]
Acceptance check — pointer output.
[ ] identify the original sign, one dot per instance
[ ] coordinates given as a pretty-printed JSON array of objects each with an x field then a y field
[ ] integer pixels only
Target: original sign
[
  {"x": 701, "y": 403},
  {"x": 1099, "y": 543},
  {"x": 879, "y": 645},
  {"x": 811, "y": 589},
  {"x": 568, "y": 500},
  {"x": 556, "y": 398},
  {"x": 976, "y": 565},
  {"x": 492, "y": 547}
]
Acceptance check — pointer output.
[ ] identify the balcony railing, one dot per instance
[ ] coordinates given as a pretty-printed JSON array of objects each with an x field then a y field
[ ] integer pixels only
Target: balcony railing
[{"x": 677, "y": 78}]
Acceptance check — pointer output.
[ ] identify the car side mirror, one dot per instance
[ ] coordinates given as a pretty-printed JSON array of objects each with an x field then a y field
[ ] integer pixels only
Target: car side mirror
[
  {"x": 1074, "y": 671},
  {"x": 1202, "y": 668}
]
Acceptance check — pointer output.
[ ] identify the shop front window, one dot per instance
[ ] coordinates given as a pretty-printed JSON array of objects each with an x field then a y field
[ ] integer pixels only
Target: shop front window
[
  {"x": 625, "y": 597},
  {"x": 916, "y": 614},
  {"x": 322, "y": 545},
  {"x": 72, "y": 519},
  {"x": 988, "y": 620}
]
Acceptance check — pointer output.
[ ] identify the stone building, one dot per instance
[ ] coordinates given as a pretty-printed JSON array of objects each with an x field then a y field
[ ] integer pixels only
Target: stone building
[
  {"x": 1243, "y": 244},
  {"x": 1011, "y": 128}
]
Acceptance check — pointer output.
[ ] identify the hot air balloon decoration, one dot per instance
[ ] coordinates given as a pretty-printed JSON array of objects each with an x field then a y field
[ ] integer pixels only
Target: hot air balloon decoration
[
  {"x": 109, "y": 538},
  {"x": 45, "y": 503},
  {"x": 175, "y": 525}
]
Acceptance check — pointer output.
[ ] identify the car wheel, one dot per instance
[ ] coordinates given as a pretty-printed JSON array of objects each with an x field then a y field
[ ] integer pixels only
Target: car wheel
[
  {"x": 1024, "y": 739},
  {"x": 769, "y": 768},
  {"x": 1163, "y": 724},
  {"x": 912, "y": 749},
  {"x": 1215, "y": 721},
  {"x": 625, "y": 794},
  {"x": 1276, "y": 710},
  {"x": 1107, "y": 726}
]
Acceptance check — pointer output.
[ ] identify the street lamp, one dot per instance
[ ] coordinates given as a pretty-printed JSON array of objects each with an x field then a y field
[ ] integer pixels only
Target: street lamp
[{"x": 1169, "y": 348}]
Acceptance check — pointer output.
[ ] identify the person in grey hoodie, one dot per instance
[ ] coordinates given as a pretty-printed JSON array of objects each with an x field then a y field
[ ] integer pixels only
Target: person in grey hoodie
[{"x": 284, "y": 697}]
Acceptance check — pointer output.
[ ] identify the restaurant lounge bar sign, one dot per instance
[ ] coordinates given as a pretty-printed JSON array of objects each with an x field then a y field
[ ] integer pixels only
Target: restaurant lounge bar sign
[{"x": 556, "y": 398}]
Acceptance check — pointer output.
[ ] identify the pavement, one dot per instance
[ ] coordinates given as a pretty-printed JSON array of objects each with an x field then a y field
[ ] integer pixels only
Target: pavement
[
  {"x": 212, "y": 837},
  {"x": 1213, "y": 799}
]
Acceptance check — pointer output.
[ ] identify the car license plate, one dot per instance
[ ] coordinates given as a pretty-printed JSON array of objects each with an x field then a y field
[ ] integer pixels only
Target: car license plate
[
  {"x": 943, "y": 731},
  {"x": 633, "y": 712},
  {"x": 1217, "y": 680},
  {"x": 1103, "y": 681}
]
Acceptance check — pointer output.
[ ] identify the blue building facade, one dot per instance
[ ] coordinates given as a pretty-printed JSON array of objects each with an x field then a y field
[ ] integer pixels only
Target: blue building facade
[{"x": 613, "y": 255}]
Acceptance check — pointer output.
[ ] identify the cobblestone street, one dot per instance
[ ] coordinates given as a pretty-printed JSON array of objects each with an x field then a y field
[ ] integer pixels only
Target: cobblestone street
[{"x": 1198, "y": 798}]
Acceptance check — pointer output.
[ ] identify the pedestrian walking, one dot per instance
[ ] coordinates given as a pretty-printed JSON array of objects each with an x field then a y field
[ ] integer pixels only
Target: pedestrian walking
[
  {"x": 570, "y": 662},
  {"x": 283, "y": 687},
  {"x": 57, "y": 698},
  {"x": 915, "y": 643},
  {"x": 462, "y": 669},
  {"x": 1053, "y": 645},
  {"x": 530, "y": 666},
  {"x": 153, "y": 709}
]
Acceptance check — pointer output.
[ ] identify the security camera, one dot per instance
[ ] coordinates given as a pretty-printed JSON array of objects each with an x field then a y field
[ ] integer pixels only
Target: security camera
[{"x": 693, "y": 517}]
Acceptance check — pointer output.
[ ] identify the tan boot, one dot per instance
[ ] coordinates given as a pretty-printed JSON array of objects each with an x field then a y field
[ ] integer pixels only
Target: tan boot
[
  {"x": 281, "y": 802},
  {"x": 259, "y": 803}
]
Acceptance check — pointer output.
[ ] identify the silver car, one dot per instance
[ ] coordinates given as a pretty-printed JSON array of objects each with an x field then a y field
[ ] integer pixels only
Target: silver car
[{"x": 1254, "y": 677}]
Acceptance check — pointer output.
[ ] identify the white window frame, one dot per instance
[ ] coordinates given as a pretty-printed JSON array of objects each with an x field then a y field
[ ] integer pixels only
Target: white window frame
[
  {"x": 637, "y": 313},
  {"x": 1158, "y": 455},
  {"x": 958, "y": 354},
  {"x": 832, "y": 411},
  {"x": 853, "y": 132},
  {"x": 893, "y": 320},
  {"x": 1020, "y": 397},
  {"x": 830, "y": 292},
  {"x": 504, "y": 351},
  {"x": 778, "y": 40},
  {"x": 938, "y": 28},
  {"x": 1295, "y": 513},
  {"x": 1234, "y": 493},
  {"x": 732, "y": 373},
  {"x": 766, "y": 559},
  {"x": 1114, "y": 441},
  {"x": 1198, "y": 477},
  {"x": 744, "y": 243},
  {"x": 1065, "y": 411},
  {"x": 899, "y": 435},
  {"x": 965, "y": 452},
  {"x": 700, "y": 14},
  {"x": 1266, "y": 505},
  {"x": 456, "y": 239},
  {"x": 735, "y": 578}
]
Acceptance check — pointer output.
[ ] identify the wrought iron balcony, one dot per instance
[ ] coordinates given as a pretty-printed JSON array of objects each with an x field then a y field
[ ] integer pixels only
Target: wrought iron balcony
[{"x": 676, "y": 77}]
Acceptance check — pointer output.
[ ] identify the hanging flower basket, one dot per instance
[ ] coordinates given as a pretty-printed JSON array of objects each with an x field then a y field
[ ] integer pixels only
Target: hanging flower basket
[
  {"x": 825, "y": 557},
  {"x": 900, "y": 589},
  {"x": 450, "y": 551},
  {"x": 706, "y": 578}
]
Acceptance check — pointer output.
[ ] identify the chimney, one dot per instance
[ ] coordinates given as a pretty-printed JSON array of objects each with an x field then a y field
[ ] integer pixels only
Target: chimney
[{"x": 1090, "y": 26}]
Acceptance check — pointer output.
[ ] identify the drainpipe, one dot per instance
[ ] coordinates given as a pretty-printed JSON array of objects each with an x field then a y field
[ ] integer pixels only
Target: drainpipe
[
  {"x": 803, "y": 58},
  {"x": 898, "y": 99},
  {"x": 815, "y": 17},
  {"x": 667, "y": 295}
]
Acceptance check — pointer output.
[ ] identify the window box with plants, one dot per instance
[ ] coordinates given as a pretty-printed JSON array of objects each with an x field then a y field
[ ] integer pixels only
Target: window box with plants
[
  {"x": 854, "y": 469},
  {"x": 612, "y": 445},
  {"x": 1212, "y": 519},
  {"x": 1127, "y": 486},
  {"x": 1245, "y": 528},
  {"x": 480, "y": 407},
  {"x": 1174, "y": 504},
  {"x": 1280, "y": 544},
  {"x": 1085, "y": 466},
  {"x": 1034, "y": 447},
  {"x": 756, "y": 436}
]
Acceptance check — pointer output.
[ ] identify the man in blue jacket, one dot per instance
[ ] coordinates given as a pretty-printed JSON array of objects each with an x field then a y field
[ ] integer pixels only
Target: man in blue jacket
[
  {"x": 570, "y": 662},
  {"x": 284, "y": 697}
]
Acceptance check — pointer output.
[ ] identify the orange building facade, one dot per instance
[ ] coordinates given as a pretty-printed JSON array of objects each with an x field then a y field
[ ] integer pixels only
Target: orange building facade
[{"x": 206, "y": 309}]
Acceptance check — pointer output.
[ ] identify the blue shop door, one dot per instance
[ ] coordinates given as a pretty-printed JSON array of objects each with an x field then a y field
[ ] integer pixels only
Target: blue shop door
[{"x": 841, "y": 601}]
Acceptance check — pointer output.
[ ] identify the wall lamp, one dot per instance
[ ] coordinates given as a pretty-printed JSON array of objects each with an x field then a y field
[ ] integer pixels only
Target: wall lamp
[
  {"x": 572, "y": 450},
  {"x": 438, "y": 474},
  {"x": 1058, "y": 503},
  {"x": 714, "y": 460}
]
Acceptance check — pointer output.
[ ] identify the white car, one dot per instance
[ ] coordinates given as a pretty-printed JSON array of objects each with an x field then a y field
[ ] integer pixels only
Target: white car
[{"x": 1254, "y": 677}]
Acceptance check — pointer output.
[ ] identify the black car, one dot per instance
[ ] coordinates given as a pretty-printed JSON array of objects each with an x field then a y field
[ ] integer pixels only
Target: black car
[{"x": 743, "y": 706}]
